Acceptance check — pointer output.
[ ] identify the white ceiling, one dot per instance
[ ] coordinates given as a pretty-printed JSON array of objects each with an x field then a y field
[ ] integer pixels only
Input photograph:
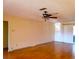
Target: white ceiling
[{"x": 30, "y": 8}]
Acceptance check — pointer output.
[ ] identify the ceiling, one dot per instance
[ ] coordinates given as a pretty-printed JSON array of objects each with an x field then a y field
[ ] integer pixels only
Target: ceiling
[{"x": 30, "y": 8}]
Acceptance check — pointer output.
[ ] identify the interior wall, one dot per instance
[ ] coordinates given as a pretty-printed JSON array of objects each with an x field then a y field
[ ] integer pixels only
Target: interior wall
[{"x": 26, "y": 32}]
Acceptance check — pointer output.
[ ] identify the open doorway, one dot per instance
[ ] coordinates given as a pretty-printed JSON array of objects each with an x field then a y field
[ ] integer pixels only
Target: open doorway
[
  {"x": 5, "y": 34},
  {"x": 5, "y": 39}
]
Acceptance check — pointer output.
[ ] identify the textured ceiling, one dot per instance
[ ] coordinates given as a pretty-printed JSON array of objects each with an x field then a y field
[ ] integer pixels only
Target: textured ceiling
[{"x": 30, "y": 8}]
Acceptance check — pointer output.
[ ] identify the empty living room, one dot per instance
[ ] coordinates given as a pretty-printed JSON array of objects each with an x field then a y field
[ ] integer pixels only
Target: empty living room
[{"x": 38, "y": 29}]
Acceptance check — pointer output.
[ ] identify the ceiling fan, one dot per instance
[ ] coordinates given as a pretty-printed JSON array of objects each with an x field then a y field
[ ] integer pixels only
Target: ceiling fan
[{"x": 47, "y": 15}]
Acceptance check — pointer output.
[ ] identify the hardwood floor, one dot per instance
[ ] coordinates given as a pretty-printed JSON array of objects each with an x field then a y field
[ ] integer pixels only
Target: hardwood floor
[{"x": 51, "y": 50}]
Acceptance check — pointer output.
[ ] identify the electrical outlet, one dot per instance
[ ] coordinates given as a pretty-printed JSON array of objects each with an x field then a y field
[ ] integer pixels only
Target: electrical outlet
[
  {"x": 16, "y": 44},
  {"x": 11, "y": 48}
]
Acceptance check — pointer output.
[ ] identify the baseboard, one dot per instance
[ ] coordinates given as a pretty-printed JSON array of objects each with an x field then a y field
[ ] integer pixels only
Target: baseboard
[
  {"x": 43, "y": 43},
  {"x": 5, "y": 48},
  {"x": 65, "y": 42}
]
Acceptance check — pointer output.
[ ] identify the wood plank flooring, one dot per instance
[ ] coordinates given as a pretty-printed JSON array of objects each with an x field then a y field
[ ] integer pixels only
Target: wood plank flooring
[{"x": 51, "y": 50}]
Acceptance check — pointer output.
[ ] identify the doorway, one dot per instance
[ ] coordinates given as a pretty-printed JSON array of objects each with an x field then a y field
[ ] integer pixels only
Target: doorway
[{"x": 5, "y": 34}]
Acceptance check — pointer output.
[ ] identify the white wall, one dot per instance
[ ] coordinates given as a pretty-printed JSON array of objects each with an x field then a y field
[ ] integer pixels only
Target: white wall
[{"x": 26, "y": 32}]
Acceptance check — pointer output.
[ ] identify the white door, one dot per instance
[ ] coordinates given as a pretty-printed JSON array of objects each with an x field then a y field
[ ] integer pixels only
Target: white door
[{"x": 68, "y": 33}]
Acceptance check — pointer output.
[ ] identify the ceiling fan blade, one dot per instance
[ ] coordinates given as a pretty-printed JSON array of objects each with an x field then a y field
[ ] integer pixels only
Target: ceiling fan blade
[
  {"x": 43, "y": 8},
  {"x": 53, "y": 17},
  {"x": 49, "y": 15}
]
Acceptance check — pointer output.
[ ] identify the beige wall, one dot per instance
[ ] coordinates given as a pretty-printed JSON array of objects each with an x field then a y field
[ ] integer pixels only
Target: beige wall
[{"x": 26, "y": 32}]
